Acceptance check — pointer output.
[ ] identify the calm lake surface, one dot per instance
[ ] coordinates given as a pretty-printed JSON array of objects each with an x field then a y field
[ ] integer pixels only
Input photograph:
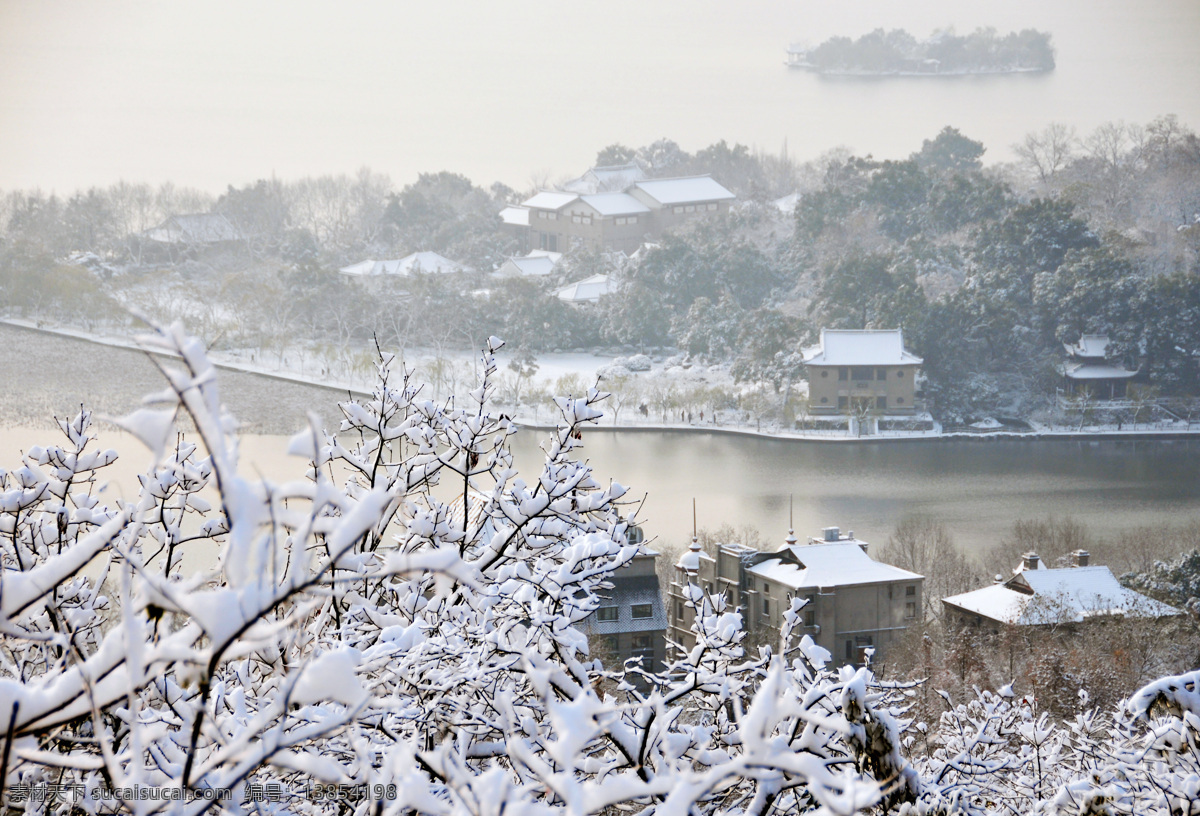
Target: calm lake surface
[
  {"x": 976, "y": 488},
  {"x": 224, "y": 92}
]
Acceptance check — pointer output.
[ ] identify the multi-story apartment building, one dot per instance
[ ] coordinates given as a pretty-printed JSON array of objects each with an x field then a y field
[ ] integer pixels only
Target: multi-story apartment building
[
  {"x": 854, "y": 603},
  {"x": 855, "y": 369}
]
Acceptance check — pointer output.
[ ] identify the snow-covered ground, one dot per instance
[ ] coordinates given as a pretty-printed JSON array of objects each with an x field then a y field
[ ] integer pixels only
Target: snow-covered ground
[{"x": 668, "y": 396}]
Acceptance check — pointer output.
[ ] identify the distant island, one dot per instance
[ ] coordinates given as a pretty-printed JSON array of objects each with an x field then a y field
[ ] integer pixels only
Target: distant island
[{"x": 898, "y": 53}]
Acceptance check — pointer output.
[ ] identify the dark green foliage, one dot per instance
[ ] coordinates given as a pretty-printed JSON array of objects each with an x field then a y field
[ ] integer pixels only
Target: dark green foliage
[{"x": 897, "y": 51}]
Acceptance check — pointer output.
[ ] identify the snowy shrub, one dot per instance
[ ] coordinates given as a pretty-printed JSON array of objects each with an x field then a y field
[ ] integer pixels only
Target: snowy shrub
[{"x": 395, "y": 632}]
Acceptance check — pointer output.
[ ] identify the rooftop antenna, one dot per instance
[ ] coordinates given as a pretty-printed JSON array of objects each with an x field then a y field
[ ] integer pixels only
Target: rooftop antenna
[
  {"x": 693, "y": 518},
  {"x": 791, "y": 536}
]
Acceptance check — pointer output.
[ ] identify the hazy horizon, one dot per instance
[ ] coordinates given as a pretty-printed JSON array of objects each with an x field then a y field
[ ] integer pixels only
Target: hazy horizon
[{"x": 222, "y": 93}]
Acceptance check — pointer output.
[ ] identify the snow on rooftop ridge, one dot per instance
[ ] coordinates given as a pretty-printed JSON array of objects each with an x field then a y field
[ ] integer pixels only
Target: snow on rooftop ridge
[
  {"x": 1089, "y": 345},
  {"x": 427, "y": 262},
  {"x": 861, "y": 347},
  {"x": 588, "y": 290},
  {"x": 615, "y": 204}
]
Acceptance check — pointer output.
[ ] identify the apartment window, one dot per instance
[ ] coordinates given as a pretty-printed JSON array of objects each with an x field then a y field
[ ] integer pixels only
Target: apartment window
[
  {"x": 541, "y": 215},
  {"x": 606, "y": 613},
  {"x": 619, "y": 221},
  {"x": 843, "y": 373},
  {"x": 910, "y": 591},
  {"x": 643, "y": 643},
  {"x": 881, "y": 402},
  {"x": 575, "y": 219},
  {"x": 881, "y": 373},
  {"x": 766, "y": 607},
  {"x": 862, "y": 373},
  {"x": 849, "y": 649},
  {"x": 679, "y": 610},
  {"x": 587, "y": 219},
  {"x": 640, "y": 611},
  {"x": 910, "y": 610},
  {"x": 552, "y": 216},
  {"x": 810, "y": 618},
  {"x": 611, "y": 643},
  {"x": 766, "y": 588},
  {"x": 633, "y": 219},
  {"x": 843, "y": 402},
  {"x": 749, "y": 582}
]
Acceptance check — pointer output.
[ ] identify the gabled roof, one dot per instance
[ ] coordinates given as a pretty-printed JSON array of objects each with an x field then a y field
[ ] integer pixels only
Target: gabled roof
[
  {"x": 429, "y": 263},
  {"x": 588, "y": 290},
  {"x": 828, "y": 565},
  {"x": 615, "y": 204},
  {"x": 687, "y": 190},
  {"x": 866, "y": 347},
  {"x": 1067, "y": 595},
  {"x": 549, "y": 200}
]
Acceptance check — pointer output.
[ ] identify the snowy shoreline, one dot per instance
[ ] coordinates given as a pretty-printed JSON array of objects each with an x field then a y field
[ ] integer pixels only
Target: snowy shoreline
[{"x": 533, "y": 420}]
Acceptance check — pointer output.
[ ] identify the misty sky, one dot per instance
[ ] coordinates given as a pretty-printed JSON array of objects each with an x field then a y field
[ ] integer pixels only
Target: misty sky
[{"x": 218, "y": 92}]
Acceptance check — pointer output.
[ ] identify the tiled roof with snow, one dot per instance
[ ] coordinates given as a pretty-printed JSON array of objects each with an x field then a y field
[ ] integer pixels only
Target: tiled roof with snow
[
  {"x": 684, "y": 190},
  {"x": 829, "y": 565},
  {"x": 549, "y": 200},
  {"x": 588, "y": 290},
  {"x": 615, "y": 204},
  {"x": 195, "y": 228},
  {"x": 1096, "y": 371},
  {"x": 866, "y": 347},
  {"x": 1070, "y": 594},
  {"x": 1089, "y": 345}
]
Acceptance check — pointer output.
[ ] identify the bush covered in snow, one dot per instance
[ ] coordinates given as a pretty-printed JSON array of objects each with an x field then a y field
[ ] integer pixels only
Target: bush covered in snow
[{"x": 395, "y": 632}]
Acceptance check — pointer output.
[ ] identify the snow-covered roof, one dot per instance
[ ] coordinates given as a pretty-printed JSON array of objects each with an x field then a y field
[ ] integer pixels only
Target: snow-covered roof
[
  {"x": 684, "y": 190},
  {"x": 196, "y": 228},
  {"x": 867, "y": 347},
  {"x": 515, "y": 216},
  {"x": 530, "y": 266},
  {"x": 829, "y": 565},
  {"x": 588, "y": 290},
  {"x": 605, "y": 179},
  {"x": 1096, "y": 371},
  {"x": 429, "y": 263},
  {"x": 1070, "y": 594},
  {"x": 615, "y": 204},
  {"x": 549, "y": 200},
  {"x": 1089, "y": 345},
  {"x": 787, "y": 204}
]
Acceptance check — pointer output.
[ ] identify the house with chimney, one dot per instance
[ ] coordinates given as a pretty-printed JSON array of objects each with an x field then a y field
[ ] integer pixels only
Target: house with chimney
[
  {"x": 1037, "y": 596},
  {"x": 854, "y": 605}
]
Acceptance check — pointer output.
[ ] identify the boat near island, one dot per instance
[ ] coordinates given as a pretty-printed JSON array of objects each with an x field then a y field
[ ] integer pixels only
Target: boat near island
[{"x": 897, "y": 53}]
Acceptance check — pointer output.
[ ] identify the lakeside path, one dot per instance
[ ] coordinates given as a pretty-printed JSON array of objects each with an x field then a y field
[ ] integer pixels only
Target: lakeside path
[{"x": 47, "y": 371}]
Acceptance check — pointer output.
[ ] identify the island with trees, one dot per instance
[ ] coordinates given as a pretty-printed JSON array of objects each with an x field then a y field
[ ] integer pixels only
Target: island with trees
[{"x": 898, "y": 53}]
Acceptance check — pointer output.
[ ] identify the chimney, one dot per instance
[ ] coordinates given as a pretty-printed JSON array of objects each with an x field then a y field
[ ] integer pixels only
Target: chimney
[
  {"x": 1080, "y": 558},
  {"x": 1029, "y": 561},
  {"x": 831, "y": 533}
]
